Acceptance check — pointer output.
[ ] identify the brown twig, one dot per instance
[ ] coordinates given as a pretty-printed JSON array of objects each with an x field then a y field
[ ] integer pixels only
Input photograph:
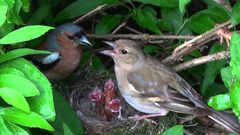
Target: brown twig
[
  {"x": 140, "y": 37},
  {"x": 91, "y": 13},
  {"x": 202, "y": 60},
  {"x": 119, "y": 27},
  {"x": 133, "y": 30},
  {"x": 195, "y": 43}
]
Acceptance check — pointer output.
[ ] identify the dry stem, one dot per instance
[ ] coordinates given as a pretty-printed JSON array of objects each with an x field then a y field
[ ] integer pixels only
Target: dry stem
[
  {"x": 195, "y": 43},
  {"x": 140, "y": 37},
  {"x": 89, "y": 14},
  {"x": 202, "y": 60}
]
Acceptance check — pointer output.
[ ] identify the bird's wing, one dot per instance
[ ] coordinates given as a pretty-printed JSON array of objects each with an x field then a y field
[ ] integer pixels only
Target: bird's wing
[
  {"x": 50, "y": 45},
  {"x": 45, "y": 61},
  {"x": 155, "y": 85}
]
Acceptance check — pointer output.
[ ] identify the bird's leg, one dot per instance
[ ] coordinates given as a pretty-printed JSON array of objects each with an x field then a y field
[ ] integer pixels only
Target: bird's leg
[
  {"x": 137, "y": 118},
  {"x": 145, "y": 117},
  {"x": 120, "y": 114}
]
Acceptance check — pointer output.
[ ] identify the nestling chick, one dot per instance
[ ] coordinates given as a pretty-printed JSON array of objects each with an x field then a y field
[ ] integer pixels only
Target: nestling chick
[
  {"x": 64, "y": 43},
  {"x": 151, "y": 87}
]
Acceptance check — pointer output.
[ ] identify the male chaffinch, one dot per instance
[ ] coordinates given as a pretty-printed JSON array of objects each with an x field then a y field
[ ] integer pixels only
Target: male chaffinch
[
  {"x": 151, "y": 87},
  {"x": 64, "y": 45}
]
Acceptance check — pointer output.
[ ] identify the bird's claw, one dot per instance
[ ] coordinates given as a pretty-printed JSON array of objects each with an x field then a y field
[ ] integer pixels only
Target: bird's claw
[{"x": 137, "y": 118}]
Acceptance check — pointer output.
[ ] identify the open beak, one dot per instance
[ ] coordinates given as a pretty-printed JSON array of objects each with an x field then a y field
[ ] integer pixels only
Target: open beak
[
  {"x": 83, "y": 40},
  {"x": 109, "y": 52}
]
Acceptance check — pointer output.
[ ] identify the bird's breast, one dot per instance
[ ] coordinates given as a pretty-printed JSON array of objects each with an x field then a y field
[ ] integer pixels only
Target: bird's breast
[{"x": 67, "y": 64}]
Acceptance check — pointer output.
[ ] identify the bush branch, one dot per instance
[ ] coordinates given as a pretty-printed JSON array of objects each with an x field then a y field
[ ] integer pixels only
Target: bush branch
[
  {"x": 140, "y": 37},
  {"x": 91, "y": 13},
  {"x": 195, "y": 43},
  {"x": 202, "y": 60}
]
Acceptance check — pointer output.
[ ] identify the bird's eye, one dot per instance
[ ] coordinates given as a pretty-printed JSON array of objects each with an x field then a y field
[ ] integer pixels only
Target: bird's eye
[
  {"x": 70, "y": 36},
  {"x": 124, "y": 51}
]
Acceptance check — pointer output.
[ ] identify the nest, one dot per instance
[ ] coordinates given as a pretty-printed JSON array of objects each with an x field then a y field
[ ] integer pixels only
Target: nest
[{"x": 95, "y": 124}]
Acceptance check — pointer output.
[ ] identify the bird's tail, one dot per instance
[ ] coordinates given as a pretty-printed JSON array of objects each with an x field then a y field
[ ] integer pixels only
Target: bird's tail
[{"x": 226, "y": 120}]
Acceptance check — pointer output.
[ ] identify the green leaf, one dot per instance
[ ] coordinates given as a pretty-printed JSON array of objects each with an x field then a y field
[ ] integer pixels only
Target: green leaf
[
  {"x": 67, "y": 130},
  {"x": 164, "y": 25},
  {"x": 182, "y": 5},
  {"x": 3, "y": 11},
  {"x": 210, "y": 2},
  {"x": 16, "y": 12},
  {"x": 81, "y": 7},
  {"x": 85, "y": 57},
  {"x": 19, "y": 83},
  {"x": 234, "y": 96},
  {"x": 65, "y": 123},
  {"x": 97, "y": 63},
  {"x": 173, "y": 17},
  {"x": 8, "y": 128},
  {"x": 220, "y": 102},
  {"x": 19, "y": 117},
  {"x": 4, "y": 130},
  {"x": 9, "y": 70},
  {"x": 6, "y": 28},
  {"x": 214, "y": 14},
  {"x": 176, "y": 130},
  {"x": 212, "y": 69},
  {"x": 146, "y": 18},
  {"x": 25, "y": 34},
  {"x": 227, "y": 76},
  {"x": 217, "y": 88},
  {"x": 218, "y": 13},
  {"x": 14, "y": 98},
  {"x": 12, "y": 129},
  {"x": 19, "y": 53},
  {"x": 161, "y": 3},
  {"x": 42, "y": 104},
  {"x": 235, "y": 17},
  {"x": 14, "y": 7},
  {"x": 235, "y": 57},
  {"x": 150, "y": 49},
  {"x": 25, "y": 5},
  {"x": 202, "y": 23},
  {"x": 107, "y": 23},
  {"x": 39, "y": 15}
]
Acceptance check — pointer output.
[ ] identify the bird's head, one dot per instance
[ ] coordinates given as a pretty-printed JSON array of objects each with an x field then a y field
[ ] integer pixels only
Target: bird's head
[
  {"x": 70, "y": 32},
  {"x": 126, "y": 53}
]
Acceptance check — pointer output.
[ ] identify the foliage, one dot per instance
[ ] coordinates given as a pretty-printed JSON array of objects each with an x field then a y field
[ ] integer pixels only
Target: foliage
[
  {"x": 26, "y": 92},
  {"x": 176, "y": 130},
  {"x": 231, "y": 78},
  {"x": 65, "y": 124}
]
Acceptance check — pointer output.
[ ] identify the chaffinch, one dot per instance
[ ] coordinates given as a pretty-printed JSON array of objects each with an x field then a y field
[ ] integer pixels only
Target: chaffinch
[
  {"x": 153, "y": 88},
  {"x": 64, "y": 45}
]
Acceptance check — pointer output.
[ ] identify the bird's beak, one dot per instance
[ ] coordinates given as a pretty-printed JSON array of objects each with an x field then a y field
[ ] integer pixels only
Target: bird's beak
[
  {"x": 109, "y": 52},
  {"x": 109, "y": 43},
  {"x": 83, "y": 40}
]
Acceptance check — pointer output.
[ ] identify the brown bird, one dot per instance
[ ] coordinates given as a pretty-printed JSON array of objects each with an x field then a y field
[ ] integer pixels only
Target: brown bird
[
  {"x": 153, "y": 88},
  {"x": 64, "y": 43}
]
